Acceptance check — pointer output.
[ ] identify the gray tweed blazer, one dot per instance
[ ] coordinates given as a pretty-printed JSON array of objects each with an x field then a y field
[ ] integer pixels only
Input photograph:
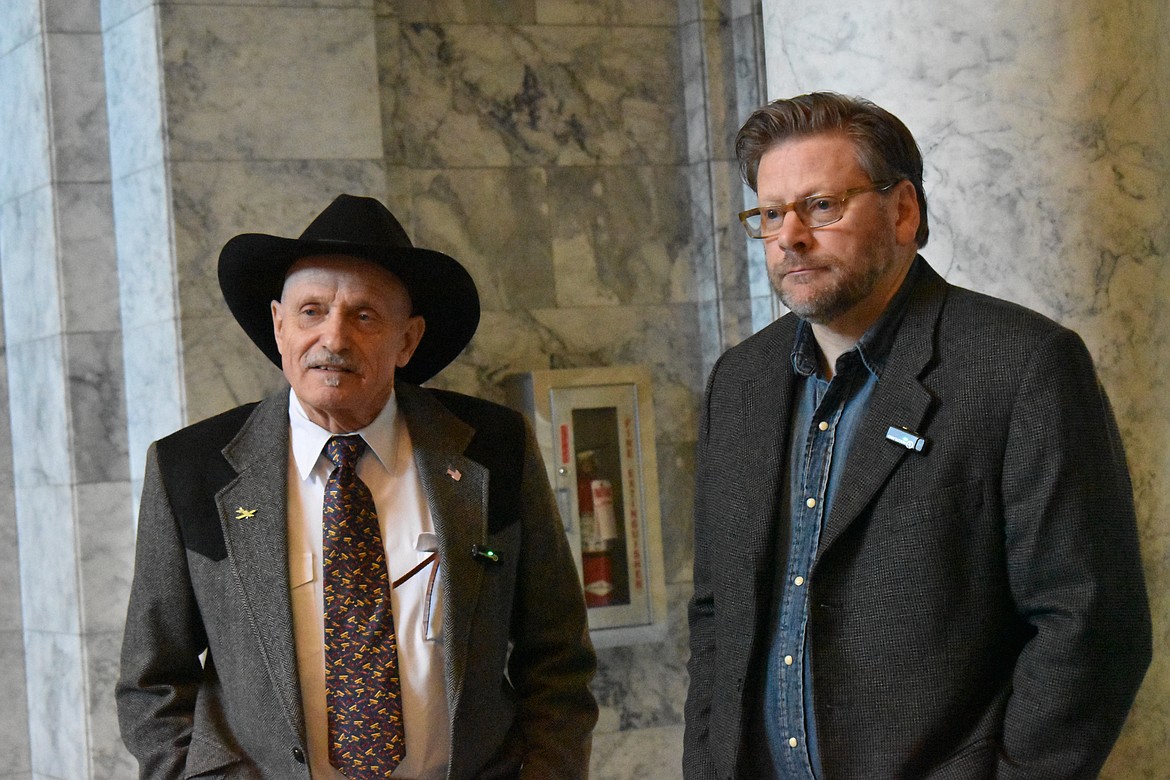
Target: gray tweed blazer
[
  {"x": 977, "y": 609},
  {"x": 517, "y": 652}
]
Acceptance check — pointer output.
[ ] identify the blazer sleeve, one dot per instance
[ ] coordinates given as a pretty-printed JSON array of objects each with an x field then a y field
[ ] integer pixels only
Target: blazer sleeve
[
  {"x": 1074, "y": 567},
  {"x": 160, "y": 669},
  {"x": 552, "y": 660}
]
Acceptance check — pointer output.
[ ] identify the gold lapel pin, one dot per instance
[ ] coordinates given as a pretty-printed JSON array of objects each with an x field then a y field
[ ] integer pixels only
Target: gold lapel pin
[
  {"x": 244, "y": 514},
  {"x": 454, "y": 474}
]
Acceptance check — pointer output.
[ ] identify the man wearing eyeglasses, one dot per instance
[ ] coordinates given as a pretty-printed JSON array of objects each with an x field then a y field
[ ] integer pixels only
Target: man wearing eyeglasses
[{"x": 915, "y": 545}]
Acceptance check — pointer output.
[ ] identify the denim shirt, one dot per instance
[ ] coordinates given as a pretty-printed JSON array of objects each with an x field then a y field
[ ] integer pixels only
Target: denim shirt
[{"x": 825, "y": 417}]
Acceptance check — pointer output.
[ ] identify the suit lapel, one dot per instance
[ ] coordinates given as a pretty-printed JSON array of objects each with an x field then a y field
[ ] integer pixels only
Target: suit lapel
[
  {"x": 899, "y": 400},
  {"x": 766, "y": 405},
  {"x": 253, "y": 510},
  {"x": 456, "y": 488}
]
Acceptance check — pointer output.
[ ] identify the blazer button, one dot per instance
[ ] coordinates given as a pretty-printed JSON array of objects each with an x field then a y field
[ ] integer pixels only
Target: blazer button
[{"x": 299, "y": 755}]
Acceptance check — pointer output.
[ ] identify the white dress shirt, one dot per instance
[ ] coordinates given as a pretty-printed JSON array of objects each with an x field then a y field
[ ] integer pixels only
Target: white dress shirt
[{"x": 388, "y": 469}]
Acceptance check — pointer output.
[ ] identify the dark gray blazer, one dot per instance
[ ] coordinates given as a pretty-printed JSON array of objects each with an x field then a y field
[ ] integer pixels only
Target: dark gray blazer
[
  {"x": 978, "y": 609},
  {"x": 518, "y": 657}
]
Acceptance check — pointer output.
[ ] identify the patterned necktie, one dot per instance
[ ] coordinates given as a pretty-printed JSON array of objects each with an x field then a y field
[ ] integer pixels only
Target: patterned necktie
[{"x": 367, "y": 738}]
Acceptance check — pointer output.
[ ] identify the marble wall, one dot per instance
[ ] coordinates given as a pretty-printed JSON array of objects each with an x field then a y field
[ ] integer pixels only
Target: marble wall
[
  {"x": 68, "y": 528},
  {"x": 1046, "y": 132}
]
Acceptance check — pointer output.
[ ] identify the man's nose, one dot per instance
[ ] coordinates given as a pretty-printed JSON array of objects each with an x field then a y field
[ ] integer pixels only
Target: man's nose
[
  {"x": 793, "y": 233},
  {"x": 335, "y": 331}
]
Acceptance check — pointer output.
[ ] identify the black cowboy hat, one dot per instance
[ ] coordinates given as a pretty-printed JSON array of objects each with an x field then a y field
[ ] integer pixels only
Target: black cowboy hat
[{"x": 252, "y": 268}]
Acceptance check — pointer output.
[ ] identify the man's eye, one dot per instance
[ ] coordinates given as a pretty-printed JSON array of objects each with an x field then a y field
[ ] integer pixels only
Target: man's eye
[
  {"x": 821, "y": 204},
  {"x": 770, "y": 214}
]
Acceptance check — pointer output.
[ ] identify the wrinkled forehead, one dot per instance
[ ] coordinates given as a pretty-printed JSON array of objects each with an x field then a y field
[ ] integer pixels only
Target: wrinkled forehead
[
  {"x": 809, "y": 164},
  {"x": 337, "y": 271}
]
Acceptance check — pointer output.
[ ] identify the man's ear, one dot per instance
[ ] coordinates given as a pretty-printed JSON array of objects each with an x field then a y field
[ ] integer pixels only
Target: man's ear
[
  {"x": 277, "y": 323},
  {"x": 908, "y": 215},
  {"x": 412, "y": 335}
]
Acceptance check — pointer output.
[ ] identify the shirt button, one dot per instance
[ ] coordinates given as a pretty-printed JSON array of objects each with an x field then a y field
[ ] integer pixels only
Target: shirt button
[
  {"x": 788, "y": 660},
  {"x": 824, "y": 426},
  {"x": 798, "y": 581},
  {"x": 810, "y": 503},
  {"x": 792, "y": 742}
]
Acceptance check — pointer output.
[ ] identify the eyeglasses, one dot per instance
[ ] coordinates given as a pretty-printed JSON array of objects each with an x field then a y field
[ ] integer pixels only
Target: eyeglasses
[{"x": 815, "y": 211}]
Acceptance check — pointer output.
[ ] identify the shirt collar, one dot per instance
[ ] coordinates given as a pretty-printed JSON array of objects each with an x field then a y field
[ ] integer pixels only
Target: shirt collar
[
  {"x": 308, "y": 438},
  {"x": 873, "y": 348}
]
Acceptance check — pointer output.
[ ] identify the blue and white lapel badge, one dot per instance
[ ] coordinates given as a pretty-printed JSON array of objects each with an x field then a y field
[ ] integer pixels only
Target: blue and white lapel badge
[{"x": 906, "y": 437}]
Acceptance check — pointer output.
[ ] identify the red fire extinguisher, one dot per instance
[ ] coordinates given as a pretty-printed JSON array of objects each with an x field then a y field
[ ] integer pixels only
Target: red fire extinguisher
[{"x": 595, "y": 507}]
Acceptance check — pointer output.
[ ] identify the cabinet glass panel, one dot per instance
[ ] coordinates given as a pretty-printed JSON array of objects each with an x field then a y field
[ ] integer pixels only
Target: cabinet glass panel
[{"x": 599, "y": 484}]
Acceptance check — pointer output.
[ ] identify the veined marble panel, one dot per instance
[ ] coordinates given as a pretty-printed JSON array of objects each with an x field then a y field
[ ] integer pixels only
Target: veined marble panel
[
  {"x": 14, "y": 751},
  {"x": 28, "y": 245},
  {"x": 97, "y": 406},
  {"x": 80, "y": 140},
  {"x": 495, "y": 221},
  {"x": 72, "y": 16},
  {"x": 25, "y": 164},
  {"x": 154, "y": 392},
  {"x": 694, "y": 81},
  {"x": 621, "y": 235},
  {"x": 475, "y": 95},
  {"x": 309, "y": 92},
  {"x": 89, "y": 276},
  {"x": 607, "y": 12},
  {"x": 40, "y": 418},
  {"x": 48, "y": 552},
  {"x": 56, "y": 698},
  {"x": 133, "y": 91},
  {"x": 108, "y": 757},
  {"x": 704, "y": 260},
  {"x": 660, "y": 337},
  {"x": 676, "y": 491},
  {"x": 646, "y": 754},
  {"x": 459, "y": 11},
  {"x": 223, "y": 368},
  {"x": 115, "y": 12},
  {"x": 345, "y": 4},
  {"x": 9, "y": 550},
  {"x": 644, "y": 685},
  {"x": 22, "y": 21},
  {"x": 1023, "y": 167},
  {"x": 142, "y": 230},
  {"x": 106, "y": 546}
]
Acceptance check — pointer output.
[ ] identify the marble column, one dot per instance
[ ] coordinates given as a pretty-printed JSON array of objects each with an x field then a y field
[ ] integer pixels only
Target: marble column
[
  {"x": 63, "y": 360},
  {"x": 1046, "y": 132}
]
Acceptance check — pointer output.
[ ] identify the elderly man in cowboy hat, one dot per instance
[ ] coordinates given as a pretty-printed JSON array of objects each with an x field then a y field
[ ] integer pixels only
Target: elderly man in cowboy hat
[{"x": 354, "y": 578}]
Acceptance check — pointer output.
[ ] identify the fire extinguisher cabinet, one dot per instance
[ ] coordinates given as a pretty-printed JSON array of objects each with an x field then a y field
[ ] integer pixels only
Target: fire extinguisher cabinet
[{"x": 595, "y": 427}]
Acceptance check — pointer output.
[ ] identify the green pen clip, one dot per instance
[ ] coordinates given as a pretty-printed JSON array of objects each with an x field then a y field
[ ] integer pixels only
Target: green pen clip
[{"x": 484, "y": 553}]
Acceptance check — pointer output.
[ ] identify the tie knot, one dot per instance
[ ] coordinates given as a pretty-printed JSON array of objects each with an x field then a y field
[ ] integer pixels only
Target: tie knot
[{"x": 344, "y": 451}]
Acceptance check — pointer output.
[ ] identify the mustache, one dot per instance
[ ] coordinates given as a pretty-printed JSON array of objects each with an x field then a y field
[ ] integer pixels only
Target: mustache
[
  {"x": 325, "y": 357},
  {"x": 797, "y": 260}
]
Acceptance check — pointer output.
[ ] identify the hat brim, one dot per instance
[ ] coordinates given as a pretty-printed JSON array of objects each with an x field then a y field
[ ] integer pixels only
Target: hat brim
[{"x": 253, "y": 266}]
